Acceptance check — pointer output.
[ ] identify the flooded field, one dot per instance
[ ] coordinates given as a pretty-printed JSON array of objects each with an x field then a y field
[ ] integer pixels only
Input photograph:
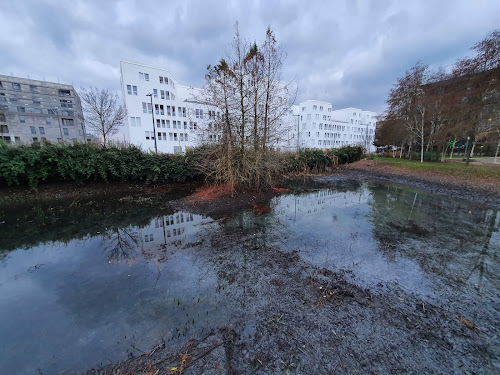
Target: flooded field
[{"x": 352, "y": 277}]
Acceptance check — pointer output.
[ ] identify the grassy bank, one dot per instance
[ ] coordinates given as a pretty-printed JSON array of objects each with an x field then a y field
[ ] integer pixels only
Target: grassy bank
[{"x": 461, "y": 171}]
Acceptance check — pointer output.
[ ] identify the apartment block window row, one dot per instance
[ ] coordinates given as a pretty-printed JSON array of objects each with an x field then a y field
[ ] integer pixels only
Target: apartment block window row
[
  {"x": 182, "y": 137},
  {"x": 165, "y": 80},
  {"x": 135, "y": 121},
  {"x": 131, "y": 90}
]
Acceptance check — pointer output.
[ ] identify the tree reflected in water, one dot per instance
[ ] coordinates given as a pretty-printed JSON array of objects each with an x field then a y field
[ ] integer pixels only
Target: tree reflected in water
[{"x": 120, "y": 244}]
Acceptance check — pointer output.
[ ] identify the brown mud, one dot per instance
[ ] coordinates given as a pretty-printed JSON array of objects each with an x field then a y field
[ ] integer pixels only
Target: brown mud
[
  {"x": 291, "y": 317},
  {"x": 485, "y": 191}
]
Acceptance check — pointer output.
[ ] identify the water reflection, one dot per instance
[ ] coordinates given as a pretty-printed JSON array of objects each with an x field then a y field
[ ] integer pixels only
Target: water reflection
[
  {"x": 120, "y": 244},
  {"x": 171, "y": 275}
]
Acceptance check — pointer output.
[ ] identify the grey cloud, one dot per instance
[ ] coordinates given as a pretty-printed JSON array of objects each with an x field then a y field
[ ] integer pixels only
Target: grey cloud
[{"x": 346, "y": 52}]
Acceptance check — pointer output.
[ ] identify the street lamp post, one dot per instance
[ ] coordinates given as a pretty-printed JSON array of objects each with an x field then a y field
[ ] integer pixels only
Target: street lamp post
[
  {"x": 56, "y": 110},
  {"x": 298, "y": 132},
  {"x": 153, "y": 116}
]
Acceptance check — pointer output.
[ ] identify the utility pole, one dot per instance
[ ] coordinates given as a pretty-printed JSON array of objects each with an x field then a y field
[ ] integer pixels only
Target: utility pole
[
  {"x": 298, "y": 132},
  {"x": 153, "y": 116}
]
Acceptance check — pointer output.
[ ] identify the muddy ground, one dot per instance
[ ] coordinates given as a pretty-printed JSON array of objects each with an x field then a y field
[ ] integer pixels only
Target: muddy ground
[
  {"x": 475, "y": 190},
  {"x": 291, "y": 317},
  {"x": 316, "y": 323}
]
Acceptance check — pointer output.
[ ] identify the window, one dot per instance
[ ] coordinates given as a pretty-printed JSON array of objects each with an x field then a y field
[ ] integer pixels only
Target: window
[
  {"x": 159, "y": 136},
  {"x": 22, "y": 120},
  {"x": 166, "y": 80},
  {"x": 2, "y": 97},
  {"x": 33, "y": 130},
  {"x": 173, "y": 111},
  {"x": 135, "y": 121},
  {"x": 315, "y": 107},
  {"x": 4, "y": 129},
  {"x": 48, "y": 120},
  {"x": 34, "y": 89},
  {"x": 65, "y": 131},
  {"x": 163, "y": 123},
  {"x": 317, "y": 116},
  {"x": 150, "y": 108},
  {"x": 67, "y": 122},
  {"x": 303, "y": 109},
  {"x": 147, "y": 134},
  {"x": 186, "y": 137},
  {"x": 168, "y": 111},
  {"x": 161, "y": 79},
  {"x": 162, "y": 93},
  {"x": 2, "y": 117},
  {"x": 320, "y": 108},
  {"x": 199, "y": 113},
  {"x": 171, "y": 137},
  {"x": 37, "y": 100},
  {"x": 168, "y": 124},
  {"x": 41, "y": 129},
  {"x": 35, "y": 139},
  {"x": 183, "y": 111},
  {"x": 162, "y": 109},
  {"x": 16, "y": 86},
  {"x": 51, "y": 112},
  {"x": 158, "y": 123},
  {"x": 141, "y": 76},
  {"x": 129, "y": 89},
  {"x": 181, "y": 136},
  {"x": 144, "y": 108},
  {"x": 157, "y": 109},
  {"x": 146, "y": 76},
  {"x": 21, "y": 109},
  {"x": 155, "y": 93},
  {"x": 167, "y": 95},
  {"x": 134, "y": 89},
  {"x": 64, "y": 93}
]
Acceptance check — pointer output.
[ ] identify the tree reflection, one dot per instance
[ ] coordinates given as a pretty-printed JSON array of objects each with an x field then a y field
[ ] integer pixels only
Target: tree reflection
[{"x": 120, "y": 244}]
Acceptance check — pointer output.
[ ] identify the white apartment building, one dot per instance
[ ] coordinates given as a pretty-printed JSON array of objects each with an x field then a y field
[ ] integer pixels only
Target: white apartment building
[
  {"x": 168, "y": 119},
  {"x": 319, "y": 127},
  {"x": 166, "y": 116}
]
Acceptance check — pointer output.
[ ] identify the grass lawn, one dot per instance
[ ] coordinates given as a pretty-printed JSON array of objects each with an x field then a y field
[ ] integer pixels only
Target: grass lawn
[{"x": 450, "y": 169}]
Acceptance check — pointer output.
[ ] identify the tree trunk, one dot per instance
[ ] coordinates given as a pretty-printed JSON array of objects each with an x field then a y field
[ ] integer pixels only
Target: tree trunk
[{"x": 496, "y": 152}]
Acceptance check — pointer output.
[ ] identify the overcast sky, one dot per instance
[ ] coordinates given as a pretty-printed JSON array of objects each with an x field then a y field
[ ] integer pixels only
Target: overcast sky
[{"x": 347, "y": 52}]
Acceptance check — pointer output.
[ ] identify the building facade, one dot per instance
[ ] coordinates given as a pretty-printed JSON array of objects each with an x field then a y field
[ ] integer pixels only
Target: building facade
[
  {"x": 318, "y": 126},
  {"x": 35, "y": 111},
  {"x": 162, "y": 115},
  {"x": 171, "y": 118}
]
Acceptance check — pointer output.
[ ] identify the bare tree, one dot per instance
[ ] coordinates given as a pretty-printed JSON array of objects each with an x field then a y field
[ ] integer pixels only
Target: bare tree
[
  {"x": 477, "y": 79},
  {"x": 245, "y": 87},
  {"x": 102, "y": 113}
]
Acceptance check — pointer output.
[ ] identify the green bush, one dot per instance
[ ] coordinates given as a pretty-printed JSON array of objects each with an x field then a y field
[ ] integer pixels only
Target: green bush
[
  {"x": 31, "y": 165},
  {"x": 320, "y": 161}
]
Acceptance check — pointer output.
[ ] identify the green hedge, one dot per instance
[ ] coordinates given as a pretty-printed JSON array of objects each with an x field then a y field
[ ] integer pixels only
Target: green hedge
[
  {"x": 31, "y": 165},
  {"x": 319, "y": 161}
]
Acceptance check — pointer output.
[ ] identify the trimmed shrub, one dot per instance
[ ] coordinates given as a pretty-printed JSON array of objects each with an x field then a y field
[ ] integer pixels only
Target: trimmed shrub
[{"x": 31, "y": 165}]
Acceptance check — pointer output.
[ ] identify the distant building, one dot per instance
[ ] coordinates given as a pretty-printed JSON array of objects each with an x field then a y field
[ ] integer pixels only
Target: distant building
[
  {"x": 34, "y": 111},
  {"x": 318, "y": 126},
  {"x": 177, "y": 114}
]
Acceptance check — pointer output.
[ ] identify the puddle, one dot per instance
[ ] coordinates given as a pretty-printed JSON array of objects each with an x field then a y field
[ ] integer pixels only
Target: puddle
[{"x": 97, "y": 298}]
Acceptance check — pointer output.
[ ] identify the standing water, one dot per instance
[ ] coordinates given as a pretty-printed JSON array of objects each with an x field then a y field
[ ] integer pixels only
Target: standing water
[{"x": 72, "y": 299}]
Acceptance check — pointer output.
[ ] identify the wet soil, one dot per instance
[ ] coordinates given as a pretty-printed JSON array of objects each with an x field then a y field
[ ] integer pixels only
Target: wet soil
[
  {"x": 484, "y": 191},
  {"x": 295, "y": 318}
]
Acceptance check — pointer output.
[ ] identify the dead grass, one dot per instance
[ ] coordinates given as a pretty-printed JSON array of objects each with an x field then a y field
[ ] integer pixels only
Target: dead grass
[{"x": 210, "y": 193}]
